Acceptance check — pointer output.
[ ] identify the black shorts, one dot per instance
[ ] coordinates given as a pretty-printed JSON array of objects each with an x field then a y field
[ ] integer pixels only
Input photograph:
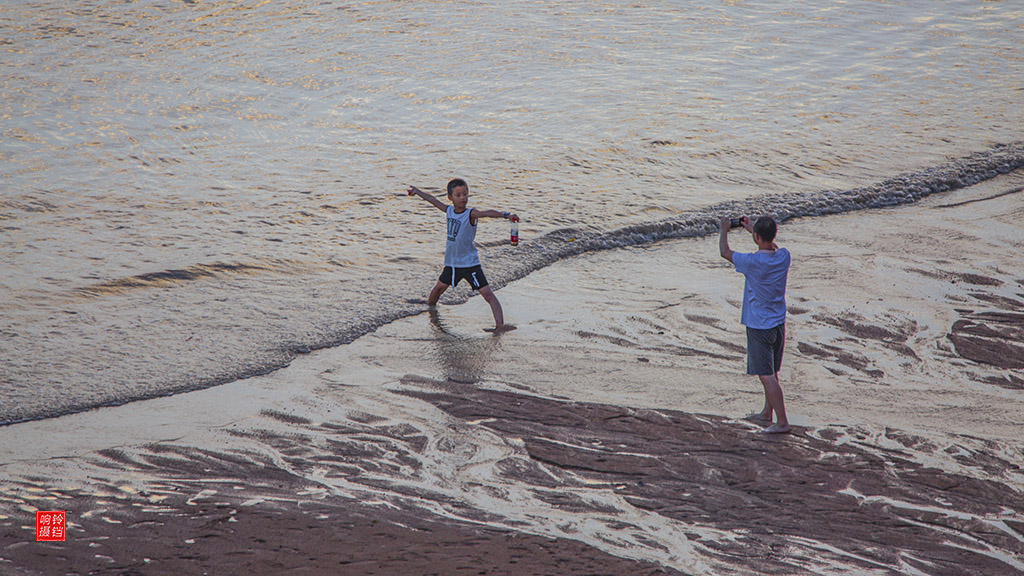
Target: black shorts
[
  {"x": 473, "y": 274},
  {"x": 764, "y": 350}
]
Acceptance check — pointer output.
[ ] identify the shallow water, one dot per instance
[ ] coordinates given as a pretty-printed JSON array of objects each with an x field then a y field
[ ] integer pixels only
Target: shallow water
[
  {"x": 561, "y": 428},
  {"x": 197, "y": 191}
]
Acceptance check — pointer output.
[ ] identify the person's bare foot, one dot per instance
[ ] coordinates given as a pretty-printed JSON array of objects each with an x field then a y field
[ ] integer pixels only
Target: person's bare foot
[
  {"x": 500, "y": 329},
  {"x": 757, "y": 417},
  {"x": 777, "y": 429}
]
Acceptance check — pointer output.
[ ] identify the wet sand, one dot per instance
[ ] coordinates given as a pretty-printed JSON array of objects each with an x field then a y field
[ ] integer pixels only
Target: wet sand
[{"x": 602, "y": 436}]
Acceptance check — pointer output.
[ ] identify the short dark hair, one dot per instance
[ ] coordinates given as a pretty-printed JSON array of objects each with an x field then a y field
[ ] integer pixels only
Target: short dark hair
[
  {"x": 766, "y": 228},
  {"x": 455, "y": 183}
]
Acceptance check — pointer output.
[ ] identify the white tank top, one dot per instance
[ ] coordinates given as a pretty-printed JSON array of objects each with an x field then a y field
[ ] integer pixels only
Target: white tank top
[{"x": 460, "y": 252}]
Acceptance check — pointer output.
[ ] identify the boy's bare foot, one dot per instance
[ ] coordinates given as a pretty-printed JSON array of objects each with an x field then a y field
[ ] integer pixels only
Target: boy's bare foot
[
  {"x": 757, "y": 417},
  {"x": 777, "y": 429},
  {"x": 500, "y": 329}
]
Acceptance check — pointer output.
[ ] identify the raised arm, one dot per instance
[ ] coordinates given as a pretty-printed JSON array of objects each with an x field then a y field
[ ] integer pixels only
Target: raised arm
[
  {"x": 492, "y": 214},
  {"x": 414, "y": 191},
  {"x": 723, "y": 239}
]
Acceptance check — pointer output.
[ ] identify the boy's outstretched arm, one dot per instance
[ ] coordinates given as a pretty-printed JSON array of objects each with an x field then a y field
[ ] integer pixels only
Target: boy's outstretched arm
[
  {"x": 492, "y": 214},
  {"x": 414, "y": 191}
]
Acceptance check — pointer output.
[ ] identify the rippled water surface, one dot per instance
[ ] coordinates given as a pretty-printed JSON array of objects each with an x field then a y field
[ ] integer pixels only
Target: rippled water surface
[{"x": 195, "y": 191}]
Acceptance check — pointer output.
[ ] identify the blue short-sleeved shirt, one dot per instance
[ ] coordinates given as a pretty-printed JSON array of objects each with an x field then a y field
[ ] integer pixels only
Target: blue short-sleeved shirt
[{"x": 764, "y": 292}]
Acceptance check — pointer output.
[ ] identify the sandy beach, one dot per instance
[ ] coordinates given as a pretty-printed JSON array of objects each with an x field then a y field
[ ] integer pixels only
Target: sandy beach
[
  {"x": 216, "y": 355},
  {"x": 603, "y": 436}
]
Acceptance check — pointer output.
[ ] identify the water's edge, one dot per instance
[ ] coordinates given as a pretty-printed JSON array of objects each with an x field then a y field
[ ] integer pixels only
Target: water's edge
[{"x": 506, "y": 264}]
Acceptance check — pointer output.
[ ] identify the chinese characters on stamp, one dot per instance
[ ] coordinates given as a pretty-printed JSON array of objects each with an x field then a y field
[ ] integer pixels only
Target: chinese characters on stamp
[{"x": 51, "y": 526}]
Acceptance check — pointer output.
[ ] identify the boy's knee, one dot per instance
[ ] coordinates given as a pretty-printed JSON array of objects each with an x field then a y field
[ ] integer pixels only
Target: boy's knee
[
  {"x": 488, "y": 294},
  {"x": 435, "y": 293}
]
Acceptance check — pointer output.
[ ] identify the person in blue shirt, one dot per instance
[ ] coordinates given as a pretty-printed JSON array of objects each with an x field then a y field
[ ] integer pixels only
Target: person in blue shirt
[
  {"x": 764, "y": 312},
  {"x": 460, "y": 256}
]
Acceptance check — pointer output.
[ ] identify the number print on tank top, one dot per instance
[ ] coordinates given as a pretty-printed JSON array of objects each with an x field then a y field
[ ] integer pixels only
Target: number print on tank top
[{"x": 453, "y": 228}]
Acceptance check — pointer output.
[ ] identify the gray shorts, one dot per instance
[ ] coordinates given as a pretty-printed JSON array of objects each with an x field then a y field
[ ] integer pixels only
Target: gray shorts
[{"x": 764, "y": 350}]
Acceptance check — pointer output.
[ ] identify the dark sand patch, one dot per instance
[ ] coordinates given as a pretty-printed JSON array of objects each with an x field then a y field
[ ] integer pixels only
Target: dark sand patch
[
  {"x": 894, "y": 335},
  {"x": 705, "y": 320},
  {"x": 220, "y": 536},
  {"x": 789, "y": 502},
  {"x": 993, "y": 337},
  {"x": 841, "y": 356},
  {"x": 958, "y": 277},
  {"x": 671, "y": 349},
  {"x": 1001, "y": 302},
  {"x": 827, "y": 500},
  {"x": 857, "y": 326},
  {"x": 610, "y": 339},
  {"x": 1010, "y": 381}
]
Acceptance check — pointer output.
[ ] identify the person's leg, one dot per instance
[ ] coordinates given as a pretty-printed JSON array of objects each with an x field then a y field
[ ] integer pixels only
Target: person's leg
[
  {"x": 774, "y": 386},
  {"x": 774, "y": 400},
  {"x": 499, "y": 316},
  {"x": 436, "y": 292},
  {"x": 759, "y": 361},
  {"x": 765, "y": 415},
  {"x": 766, "y": 412}
]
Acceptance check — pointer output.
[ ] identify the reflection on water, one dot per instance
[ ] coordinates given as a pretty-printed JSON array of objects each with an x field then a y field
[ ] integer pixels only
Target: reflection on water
[{"x": 461, "y": 358}]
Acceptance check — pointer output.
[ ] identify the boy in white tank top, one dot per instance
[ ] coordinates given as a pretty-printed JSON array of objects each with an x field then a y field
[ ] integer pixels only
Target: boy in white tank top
[{"x": 460, "y": 256}]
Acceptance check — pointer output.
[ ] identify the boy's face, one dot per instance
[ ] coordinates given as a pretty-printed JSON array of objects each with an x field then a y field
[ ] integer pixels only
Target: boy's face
[{"x": 459, "y": 197}]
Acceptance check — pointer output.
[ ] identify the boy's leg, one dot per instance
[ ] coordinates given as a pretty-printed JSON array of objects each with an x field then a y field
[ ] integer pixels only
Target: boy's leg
[
  {"x": 436, "y": 292},
  {"x": 499, "y": 316}
]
